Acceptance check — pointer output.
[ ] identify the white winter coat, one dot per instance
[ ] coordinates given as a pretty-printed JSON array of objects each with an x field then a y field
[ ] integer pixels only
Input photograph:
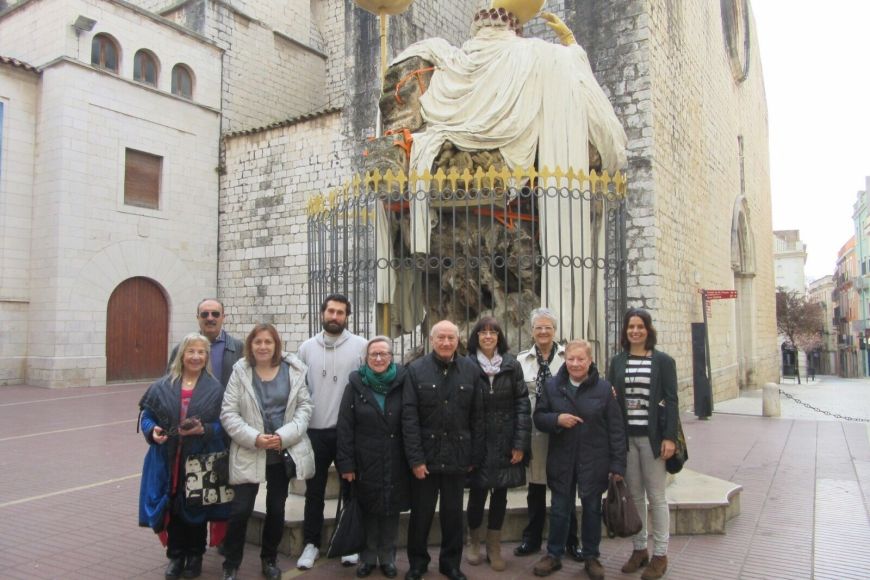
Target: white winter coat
[{"x": 243, "y": 421}]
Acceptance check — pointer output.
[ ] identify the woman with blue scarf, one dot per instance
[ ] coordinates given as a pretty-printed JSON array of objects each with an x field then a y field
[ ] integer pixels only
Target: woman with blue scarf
[{"x": 371, "y": 452}]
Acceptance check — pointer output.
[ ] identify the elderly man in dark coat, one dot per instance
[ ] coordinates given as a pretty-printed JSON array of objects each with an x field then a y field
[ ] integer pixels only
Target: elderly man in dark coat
[{"x": 444, "y": 440}]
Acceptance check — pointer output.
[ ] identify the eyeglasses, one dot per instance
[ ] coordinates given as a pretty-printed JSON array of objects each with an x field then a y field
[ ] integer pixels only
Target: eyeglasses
[
  {"x": 213, "y": 313},
  {"x": 543, "y": 329},
  {"x": 380, "y": 355},
  {"x": 487, "y": 333}
]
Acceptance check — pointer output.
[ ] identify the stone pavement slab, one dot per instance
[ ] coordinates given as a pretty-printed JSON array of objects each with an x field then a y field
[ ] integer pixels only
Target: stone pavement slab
[{"x": 70, "y": 463}]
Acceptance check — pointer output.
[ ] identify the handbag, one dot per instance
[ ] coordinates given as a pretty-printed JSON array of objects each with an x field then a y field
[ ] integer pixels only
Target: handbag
[
  {"x": 289, "y": 464},
  {"x": 681, "y": 453},
  {"x": 207, "y": 479},
  {"x": 349, "y": 536},
  {"x": 618, "y": 511}
]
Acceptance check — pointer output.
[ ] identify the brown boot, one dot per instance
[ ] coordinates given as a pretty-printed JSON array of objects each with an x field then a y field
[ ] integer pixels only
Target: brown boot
[
  {"x": 656, "y": 569},
  {"x": 594, "y": 569},
  {"x": 472, "y": 556},
  {"x": 546, "y": 566},
  {"x": 493, "y": 550},
  {"x": 639, "y": 559}
]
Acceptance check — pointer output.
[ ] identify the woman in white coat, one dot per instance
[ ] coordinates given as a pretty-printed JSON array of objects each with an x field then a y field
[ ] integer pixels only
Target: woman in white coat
[{"x": 265, "y": 411}]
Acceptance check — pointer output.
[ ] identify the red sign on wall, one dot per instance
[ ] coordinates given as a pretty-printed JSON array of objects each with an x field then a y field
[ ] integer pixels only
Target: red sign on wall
[{"x": 720, "y": 294}]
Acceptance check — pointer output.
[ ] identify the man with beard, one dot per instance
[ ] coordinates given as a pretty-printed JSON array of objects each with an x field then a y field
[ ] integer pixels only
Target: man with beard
[
  {"x": 331, "y": 355},
  {"x": 225, "y": 349}
]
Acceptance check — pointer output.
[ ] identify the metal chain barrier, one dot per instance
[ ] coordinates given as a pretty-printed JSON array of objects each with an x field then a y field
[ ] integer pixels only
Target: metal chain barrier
[{"x": 822, "y": 411}]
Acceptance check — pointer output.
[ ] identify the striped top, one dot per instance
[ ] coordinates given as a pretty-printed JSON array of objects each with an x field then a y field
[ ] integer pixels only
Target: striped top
[{"x": 637, "y": 377}]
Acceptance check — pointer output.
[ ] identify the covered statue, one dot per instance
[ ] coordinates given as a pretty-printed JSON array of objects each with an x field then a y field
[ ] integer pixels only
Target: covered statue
[{"x": 535, "y": 103}]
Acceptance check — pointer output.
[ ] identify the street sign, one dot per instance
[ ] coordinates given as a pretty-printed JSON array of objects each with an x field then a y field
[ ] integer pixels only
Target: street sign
[{"x": 720, "y": 294}]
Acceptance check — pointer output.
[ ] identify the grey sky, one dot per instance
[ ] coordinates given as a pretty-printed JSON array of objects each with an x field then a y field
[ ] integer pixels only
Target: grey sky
[{"x": 815, "y": 58}]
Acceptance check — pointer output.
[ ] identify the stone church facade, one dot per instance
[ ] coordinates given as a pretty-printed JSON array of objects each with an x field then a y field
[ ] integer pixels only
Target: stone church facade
[{"x": 298, "y": 96}]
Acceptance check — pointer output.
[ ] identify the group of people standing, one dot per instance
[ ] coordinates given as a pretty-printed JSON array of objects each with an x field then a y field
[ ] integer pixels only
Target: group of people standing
[{"x": 409, "y": 437}]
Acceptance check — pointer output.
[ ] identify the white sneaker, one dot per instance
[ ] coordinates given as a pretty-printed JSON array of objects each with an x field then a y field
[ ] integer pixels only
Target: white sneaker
[
  {"x": 309, "y": 555},
  {"x": 350, "y": 560}
]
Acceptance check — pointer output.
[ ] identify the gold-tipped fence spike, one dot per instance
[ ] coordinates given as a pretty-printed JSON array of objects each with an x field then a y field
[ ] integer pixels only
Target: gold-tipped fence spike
[
  {"x": 439, "y": 177},
  {"x": 426, "y": 178},
  {"x": 401, "y": 180},
  {"x": 453, "y": 178},
  {"x": 389, "y": 180},
  {"x": 605, "y": 182},
  {"x": 355, "y": 182},
  {"x": 376, "y": 180},
  {"x": 519, "y": 175},
  {"x": 620, "y": 183},
  {"x": 594, "y": 181},
  {"x": 466, "y": 178},
  {"x": 479, "y": 176}
]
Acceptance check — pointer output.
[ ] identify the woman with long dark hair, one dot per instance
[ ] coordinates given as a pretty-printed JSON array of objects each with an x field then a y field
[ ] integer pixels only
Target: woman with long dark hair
[
  {"x": 508, "y": 438},
  {"x": 646, "y": 385}
]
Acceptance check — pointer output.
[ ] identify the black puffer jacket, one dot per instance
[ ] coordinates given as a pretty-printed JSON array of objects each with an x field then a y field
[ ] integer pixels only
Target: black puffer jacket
[
  {"x": 370, "y": 444},
  {"x": 442, "y": 417},
  {"x": 508, "y": 423},
  {"x": 589, "y": 450}
]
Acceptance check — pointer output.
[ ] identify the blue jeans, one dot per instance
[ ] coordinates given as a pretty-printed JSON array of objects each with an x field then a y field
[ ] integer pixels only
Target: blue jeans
[{"x": 590, "y": 524}]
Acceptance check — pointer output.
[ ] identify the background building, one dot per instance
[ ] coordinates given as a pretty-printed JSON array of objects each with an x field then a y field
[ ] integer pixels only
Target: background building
[
  {"x": 789, "y": 259},
  {"x": 109, "y": 212},
  {"x": 284, "y": 97},
  {"x": 846, "y": 308},
  {"x": 821, "y": 291}
]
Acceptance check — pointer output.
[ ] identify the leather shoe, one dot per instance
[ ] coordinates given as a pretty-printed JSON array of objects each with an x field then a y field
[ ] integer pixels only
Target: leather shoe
[
  {"x": 526, "y": 549},
  {"x": 575, "y": 552},
  {"x": 453, "y": 573},
  {"x": 414, "y": 574},
  {"x": 270, "y": 569},
  {"x": 193, "y": 567},
  {"x": 364, "y": 570},
  {"x": 231, "y": 574},
  {"x": 389, "y": 570},
  {"x": 174, "y": 569}
]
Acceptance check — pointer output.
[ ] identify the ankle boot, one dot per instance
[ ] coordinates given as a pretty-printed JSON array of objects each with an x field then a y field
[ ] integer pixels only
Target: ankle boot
[
  {"x": 656, "y": 568},
  {"x": 473, "y": 554},
  {"x": 493, "y": 550},
  {"x": 639, "y": 559}
]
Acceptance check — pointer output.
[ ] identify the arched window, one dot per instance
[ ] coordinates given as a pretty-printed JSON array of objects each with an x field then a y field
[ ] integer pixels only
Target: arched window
[
  {"x": 182, "y": 81},
  {"x": 145, "y": 68},
  {"x": 105, "y": 53}
]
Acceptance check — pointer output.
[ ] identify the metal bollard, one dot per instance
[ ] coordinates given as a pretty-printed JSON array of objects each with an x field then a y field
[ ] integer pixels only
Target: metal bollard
[{"x": 770, "y": 400}]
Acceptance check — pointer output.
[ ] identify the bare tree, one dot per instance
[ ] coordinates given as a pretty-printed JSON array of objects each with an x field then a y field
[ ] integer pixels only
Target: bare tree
[{"x": 799, "y": 320}]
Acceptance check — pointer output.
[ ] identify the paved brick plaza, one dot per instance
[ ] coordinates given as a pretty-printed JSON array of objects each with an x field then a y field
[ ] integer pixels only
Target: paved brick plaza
[{"x": 70, "y": 463}]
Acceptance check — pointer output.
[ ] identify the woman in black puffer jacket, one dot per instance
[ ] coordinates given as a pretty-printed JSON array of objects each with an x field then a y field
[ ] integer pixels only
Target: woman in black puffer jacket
[
  {"x": 507, "y": 417},
  {"x": 370, "y": 452}
]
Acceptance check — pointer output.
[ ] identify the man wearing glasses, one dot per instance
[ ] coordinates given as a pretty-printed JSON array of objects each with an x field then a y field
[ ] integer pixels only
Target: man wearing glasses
[{"x": 225, "y": 349}]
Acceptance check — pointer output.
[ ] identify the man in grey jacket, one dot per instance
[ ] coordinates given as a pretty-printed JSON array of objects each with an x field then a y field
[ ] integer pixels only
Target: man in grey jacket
[{"x": 331, "y": 355}]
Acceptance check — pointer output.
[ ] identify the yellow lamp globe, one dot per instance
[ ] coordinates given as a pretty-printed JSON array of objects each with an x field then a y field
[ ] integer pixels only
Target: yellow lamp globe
[
  {"x": 390, "y": 7},
  {"x": 524, "y": 10}
]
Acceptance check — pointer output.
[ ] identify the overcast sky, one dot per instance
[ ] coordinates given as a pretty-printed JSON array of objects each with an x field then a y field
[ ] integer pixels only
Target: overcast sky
[{"x": 815, "y": 58}]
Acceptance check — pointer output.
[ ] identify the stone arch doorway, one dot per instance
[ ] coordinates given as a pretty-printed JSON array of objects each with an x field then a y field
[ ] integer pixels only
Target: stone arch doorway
[
  {"x": 743, "y": 265},
  {"x": 137, "y": 331}
]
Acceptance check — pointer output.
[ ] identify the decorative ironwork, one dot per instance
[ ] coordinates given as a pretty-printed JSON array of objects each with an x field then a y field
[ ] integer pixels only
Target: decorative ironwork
[{"x": 485, "y": 253}]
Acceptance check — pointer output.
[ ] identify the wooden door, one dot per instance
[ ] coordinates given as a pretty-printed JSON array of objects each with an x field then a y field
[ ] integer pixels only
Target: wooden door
[{"x": 137, "y": 331}]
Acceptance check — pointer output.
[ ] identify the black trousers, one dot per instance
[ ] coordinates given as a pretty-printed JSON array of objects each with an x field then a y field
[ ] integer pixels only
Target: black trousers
[
  {"x": 324, "y": 443},
  {"x": 424, "y": 496},
  {"x": 185, "y": 539},
  {"x": 277, "y": 485},
  {"x": 536, "y": 500},
  {"x": 497, "y": 507}
]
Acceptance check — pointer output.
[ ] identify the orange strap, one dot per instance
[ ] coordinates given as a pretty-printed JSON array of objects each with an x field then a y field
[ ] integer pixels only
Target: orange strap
[{"x": 413, "y": 73}]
